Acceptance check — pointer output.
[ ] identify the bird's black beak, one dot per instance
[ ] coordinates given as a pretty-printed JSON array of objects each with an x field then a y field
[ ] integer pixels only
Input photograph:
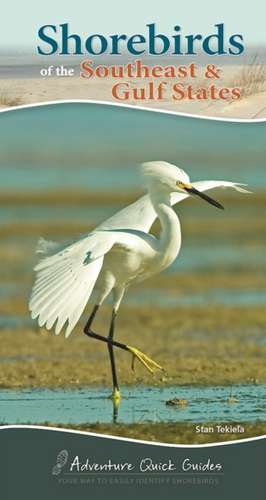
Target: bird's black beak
[{"x": 192, "y": 190}]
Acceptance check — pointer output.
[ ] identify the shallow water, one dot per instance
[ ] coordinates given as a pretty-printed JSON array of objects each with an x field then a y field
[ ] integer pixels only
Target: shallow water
[{"x": 140, "y": 404}]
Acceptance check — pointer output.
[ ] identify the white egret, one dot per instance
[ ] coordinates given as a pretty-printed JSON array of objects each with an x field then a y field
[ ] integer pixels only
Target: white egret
[{"x": 118, "y": 253}]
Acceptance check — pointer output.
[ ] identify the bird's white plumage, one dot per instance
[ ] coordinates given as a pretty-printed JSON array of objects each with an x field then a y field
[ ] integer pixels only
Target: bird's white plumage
[
  {"x": 66, "y": 279},
  {"x": 141, "y": 215},
  {"x": 162, "y": 171}
]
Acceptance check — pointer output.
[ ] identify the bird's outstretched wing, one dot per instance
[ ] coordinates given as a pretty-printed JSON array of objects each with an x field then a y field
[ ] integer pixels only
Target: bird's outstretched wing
[
  {"x": 65, "y": 281},
  {"x": 140, "y": 215}
]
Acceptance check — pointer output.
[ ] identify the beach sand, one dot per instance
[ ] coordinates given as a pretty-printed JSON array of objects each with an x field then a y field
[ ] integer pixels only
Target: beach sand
[{"x": 22, "y": 91}]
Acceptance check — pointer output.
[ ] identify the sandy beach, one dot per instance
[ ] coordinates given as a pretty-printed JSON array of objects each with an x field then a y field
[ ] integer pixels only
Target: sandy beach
[{"x": 251, "y": 105}]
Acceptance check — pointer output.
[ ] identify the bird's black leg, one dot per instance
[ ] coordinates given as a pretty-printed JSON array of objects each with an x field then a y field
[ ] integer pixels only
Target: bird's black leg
[
  {"x": 116, "y": 392},
  {"x": 111, "y": 343},
  {"x": 90, "y": 320},
  {"x": 109, "y": 340},
  {"x": 149, "y": 364}
]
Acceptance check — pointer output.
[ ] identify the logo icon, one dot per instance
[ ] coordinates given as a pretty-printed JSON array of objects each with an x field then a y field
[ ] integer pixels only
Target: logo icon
[{"x": 61, "y": 461}]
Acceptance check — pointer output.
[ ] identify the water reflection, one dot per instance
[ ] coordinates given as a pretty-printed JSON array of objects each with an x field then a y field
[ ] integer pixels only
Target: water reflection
[{"x": 139, "y": 404}]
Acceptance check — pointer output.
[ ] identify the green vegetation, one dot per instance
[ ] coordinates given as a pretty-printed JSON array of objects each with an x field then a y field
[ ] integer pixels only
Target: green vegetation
[
  {"x": 208, "y": 343},
  {"x": 196, "y": 345},
  {"x": 177, "y": 433}
]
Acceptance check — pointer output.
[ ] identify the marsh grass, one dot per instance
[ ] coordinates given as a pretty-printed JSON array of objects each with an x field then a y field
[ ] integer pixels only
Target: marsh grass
[
  {"x": 230, "y": 223},
  {"x": 251, "y": 78},
  {"x": 174, "y": 433},
  {"x": 234, "y": 229},
  {"x": 196, "y": 345},
  {"x": 211, "y": 344},
  {"x": 121, "y": 198},
  {"x": 9, "y": 100},
  {"x": 68, "y": 197}
]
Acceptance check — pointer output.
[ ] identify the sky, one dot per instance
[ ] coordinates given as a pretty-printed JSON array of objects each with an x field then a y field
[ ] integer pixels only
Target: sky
[{"x": 20, "y": 21}]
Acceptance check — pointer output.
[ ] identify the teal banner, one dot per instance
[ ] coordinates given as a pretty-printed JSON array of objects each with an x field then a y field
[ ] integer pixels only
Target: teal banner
[{"x": 50, "y": 464}]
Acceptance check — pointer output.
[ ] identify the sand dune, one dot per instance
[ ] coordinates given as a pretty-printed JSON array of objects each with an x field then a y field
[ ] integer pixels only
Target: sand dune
[{"x": 35, "y": 90}]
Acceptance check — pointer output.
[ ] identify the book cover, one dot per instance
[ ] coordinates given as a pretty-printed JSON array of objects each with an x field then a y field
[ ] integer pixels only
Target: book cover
[{"x": 133, "y": 290}]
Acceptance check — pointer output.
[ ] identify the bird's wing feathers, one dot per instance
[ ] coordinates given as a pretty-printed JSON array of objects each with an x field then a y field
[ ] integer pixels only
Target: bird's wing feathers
[
  {"x": 140, "y": 215},
  {"x": 137, "y": 216},
  {"x": 65, "y": 281}
]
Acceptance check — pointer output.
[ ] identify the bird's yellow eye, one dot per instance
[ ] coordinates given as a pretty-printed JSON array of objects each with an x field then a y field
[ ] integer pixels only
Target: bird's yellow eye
[{"x": 183, "y": 185}]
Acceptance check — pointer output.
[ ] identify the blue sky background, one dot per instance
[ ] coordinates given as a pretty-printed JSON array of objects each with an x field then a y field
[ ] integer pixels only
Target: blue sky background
[{"x": 20, "y": 21}]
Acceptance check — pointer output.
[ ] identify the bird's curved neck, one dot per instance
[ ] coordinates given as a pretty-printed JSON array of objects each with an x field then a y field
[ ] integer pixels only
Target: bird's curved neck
[{"x": 170, "y": 237}]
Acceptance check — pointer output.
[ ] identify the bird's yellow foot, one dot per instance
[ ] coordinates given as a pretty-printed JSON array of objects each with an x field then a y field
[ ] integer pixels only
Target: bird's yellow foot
[
  {"x": 116, "y": 397},
  {"x": 149, "y": 364}
]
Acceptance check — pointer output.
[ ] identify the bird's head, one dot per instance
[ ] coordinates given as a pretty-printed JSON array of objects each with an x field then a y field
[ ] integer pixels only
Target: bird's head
[{"x": 163, "y": 177}]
